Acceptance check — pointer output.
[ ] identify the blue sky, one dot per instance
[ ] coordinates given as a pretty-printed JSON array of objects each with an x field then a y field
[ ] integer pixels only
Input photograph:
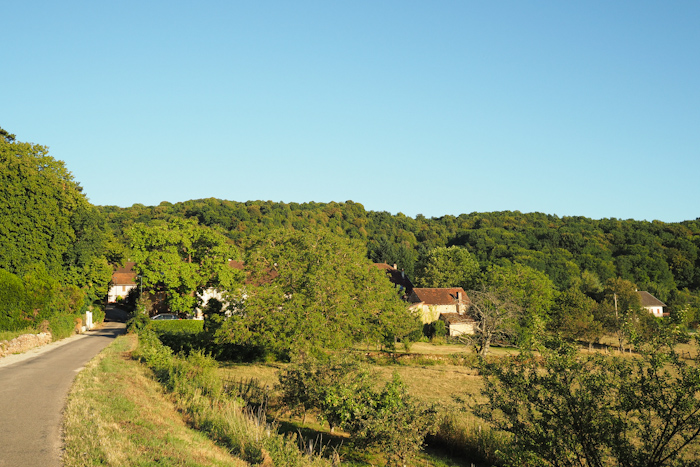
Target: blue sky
[{"x": 442, "y": 107}]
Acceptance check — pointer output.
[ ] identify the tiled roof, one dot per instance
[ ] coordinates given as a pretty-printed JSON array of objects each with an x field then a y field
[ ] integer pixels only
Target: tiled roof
[
  {"x": 124, "y": 275},
  {"x": 455, "y": 318},
  {"x": 648, "y": 299},
  {"x": 438, "y": 296}
]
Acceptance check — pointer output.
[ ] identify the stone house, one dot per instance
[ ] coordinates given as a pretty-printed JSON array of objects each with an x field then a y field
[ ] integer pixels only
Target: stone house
[{"x": 450, "y": 304}]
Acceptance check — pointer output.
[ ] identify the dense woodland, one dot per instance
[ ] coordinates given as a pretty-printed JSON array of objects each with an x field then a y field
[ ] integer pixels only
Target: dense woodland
[
  {"x": 658, "y": 257},
  {"x": 53, "y": 236}
]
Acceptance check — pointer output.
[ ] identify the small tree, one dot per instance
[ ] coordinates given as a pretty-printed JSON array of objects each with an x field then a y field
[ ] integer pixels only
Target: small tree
[
  {"x": 566, "y": 409},
  {"x": 341, "y": 390},
  {"x": 496, "y": 320},
  {"x": 393, "y": 422}
]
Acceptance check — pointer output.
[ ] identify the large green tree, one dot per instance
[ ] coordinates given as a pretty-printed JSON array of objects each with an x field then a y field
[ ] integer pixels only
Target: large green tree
[
  {"x": 47, "y": 220},
  {"x": 314, "y": 289},
  {"x": 448, "y": 267},
  {"x": 180, "y": 258},
  {"x": 531, "y": 290}
]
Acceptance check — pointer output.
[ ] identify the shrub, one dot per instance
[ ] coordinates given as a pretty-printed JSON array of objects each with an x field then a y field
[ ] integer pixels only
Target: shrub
[
  {"x": 388, "y": 419},
  {"x": 62, "y": 326},
  {"x": 138, "y": 323},
  {"x": 184, "y": 335},
  {"x": 98, "y": 314}
]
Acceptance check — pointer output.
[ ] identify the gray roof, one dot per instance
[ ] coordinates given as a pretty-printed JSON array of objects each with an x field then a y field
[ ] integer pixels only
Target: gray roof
[{"x": 648, "y": 300}]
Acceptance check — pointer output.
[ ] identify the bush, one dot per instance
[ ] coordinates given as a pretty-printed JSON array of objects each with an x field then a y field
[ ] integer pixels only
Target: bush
[
  {"x": 62, "y": 326},
  {"x": 388, "y": 419},
  {"x": 196, "y": 373},
  {"x": 138, "y": 323},
  {"x": 98, "y": 314},
  {"x": 182, "y": 336}
]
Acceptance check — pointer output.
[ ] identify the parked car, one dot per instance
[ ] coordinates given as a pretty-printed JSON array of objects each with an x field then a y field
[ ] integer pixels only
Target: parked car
[{"x": 165, "y": 316}]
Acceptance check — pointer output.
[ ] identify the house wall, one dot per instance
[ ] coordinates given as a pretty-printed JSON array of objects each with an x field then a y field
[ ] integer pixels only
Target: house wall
[
  {"x": 657, "y": 311},
  {"x": 205, "y": 296},
  {"x": 431, "y": 313},
  {"x": 457, "y": 329},
  {"x": 119, "y": 290}
]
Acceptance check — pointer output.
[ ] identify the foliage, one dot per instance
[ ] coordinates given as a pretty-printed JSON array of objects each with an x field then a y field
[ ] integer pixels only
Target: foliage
[
  {"x": 387, "y": 419},
  {"x": 181, "y": 258},
  {"x": 394, "y": 423},
  {"x": 47, "y": 220},
  {"x": 182, "y": 335},
  {"x": 532, "y": 291},
  {"x": 567, "y": 409},
  {"x": 138, "y": 323},
  {"x": 496, "y": 317},
  {"x": 448, "y": 267},
  {"x": 312, "y": 289},
  {"x": 574, "y": 318}
]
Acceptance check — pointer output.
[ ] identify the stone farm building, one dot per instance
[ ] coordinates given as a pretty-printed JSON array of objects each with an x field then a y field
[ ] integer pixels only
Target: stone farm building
[{"x": 450, "y": 305}]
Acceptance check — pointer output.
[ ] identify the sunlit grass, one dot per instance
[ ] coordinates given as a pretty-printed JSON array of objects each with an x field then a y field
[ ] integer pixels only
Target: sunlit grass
[{"x": 117, "y": 415}]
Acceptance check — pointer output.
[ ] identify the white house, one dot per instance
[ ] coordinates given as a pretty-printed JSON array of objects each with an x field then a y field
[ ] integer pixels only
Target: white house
[
  {"x": 123, "y": 280},
  {"x": 652, "y": 304}
]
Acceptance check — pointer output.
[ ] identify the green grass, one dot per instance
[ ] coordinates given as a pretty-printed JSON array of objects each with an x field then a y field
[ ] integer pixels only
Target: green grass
[
  {"x": 9, "y": 335},
  {"x": 117, "y": 415}
]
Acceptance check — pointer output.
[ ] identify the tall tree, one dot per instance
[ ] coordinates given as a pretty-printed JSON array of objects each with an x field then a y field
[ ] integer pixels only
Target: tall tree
[
  {"x": 450, "y": 266},
  {"x": 314, "y": 289},
  {"x": 47, "y": 220},
  {"x": 181, "y": 258},
  {"x": 531, "y": 290},
  {"x": 496, "y": 316}
]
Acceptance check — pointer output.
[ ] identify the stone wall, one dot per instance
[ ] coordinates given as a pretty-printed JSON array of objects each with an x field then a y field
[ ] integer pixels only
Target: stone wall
[{"x": 23, "y": 343}]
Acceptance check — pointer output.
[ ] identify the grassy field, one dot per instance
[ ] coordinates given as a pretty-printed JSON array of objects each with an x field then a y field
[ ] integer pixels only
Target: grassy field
[
  {"x": 437, "y": 382},
  {"x": 117, "y": 415}
]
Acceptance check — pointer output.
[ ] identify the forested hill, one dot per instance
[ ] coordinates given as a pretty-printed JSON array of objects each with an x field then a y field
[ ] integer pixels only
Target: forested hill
[{"x": 659, "y": 257}]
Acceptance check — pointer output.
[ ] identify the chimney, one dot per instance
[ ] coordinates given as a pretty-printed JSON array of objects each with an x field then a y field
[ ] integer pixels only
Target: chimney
[
  {"x": 395, "y": 266},
  {"x": 459, "y": 308}
]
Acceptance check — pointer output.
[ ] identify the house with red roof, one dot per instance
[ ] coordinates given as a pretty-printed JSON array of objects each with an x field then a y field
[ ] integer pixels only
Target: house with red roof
[
  {"x": 449, "y": 304},
  {"x": 123, "y": 280}
]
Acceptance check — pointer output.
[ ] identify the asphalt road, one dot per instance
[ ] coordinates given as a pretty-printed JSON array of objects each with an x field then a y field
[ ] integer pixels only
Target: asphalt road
[{"x": 33, "y": 390}]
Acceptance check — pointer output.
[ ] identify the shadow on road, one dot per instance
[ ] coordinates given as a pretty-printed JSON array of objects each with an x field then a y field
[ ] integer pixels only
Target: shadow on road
[{"x": 114, "y": 313}]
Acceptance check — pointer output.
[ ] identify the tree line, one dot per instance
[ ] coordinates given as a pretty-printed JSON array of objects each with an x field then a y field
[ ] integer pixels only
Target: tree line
[{"x": 55, "y": 255}]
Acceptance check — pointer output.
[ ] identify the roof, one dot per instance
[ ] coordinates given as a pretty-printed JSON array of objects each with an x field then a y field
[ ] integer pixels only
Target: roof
[
  {"x": 648, "y": 300},
  {"x": 456, "y": 318},
  {"x": 396, "y": 276},
  {"x": 438, "y": 296},
  {"x": 124, "y": 275}
]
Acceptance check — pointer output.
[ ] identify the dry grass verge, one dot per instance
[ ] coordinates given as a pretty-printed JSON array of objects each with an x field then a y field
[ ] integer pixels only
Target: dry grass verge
[{"x": 118, "y": 416}]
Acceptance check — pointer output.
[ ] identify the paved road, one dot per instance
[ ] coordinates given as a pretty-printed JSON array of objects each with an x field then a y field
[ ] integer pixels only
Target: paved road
[{"x": 33, "y": 390}]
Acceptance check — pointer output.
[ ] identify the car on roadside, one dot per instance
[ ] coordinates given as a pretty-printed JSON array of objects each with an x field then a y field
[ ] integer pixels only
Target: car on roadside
[{"x": 165, "y": 316}]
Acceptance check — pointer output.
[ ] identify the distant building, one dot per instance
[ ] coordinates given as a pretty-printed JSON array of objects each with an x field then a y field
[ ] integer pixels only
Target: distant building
[
  {"x": 123, "y": 280},
  {"x": 652, "y": 304},
  {"x": 435, "y": 302}
]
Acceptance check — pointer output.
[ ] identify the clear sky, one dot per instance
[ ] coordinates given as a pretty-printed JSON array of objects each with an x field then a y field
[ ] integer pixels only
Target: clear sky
[{"x": 587, "y": 108}]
